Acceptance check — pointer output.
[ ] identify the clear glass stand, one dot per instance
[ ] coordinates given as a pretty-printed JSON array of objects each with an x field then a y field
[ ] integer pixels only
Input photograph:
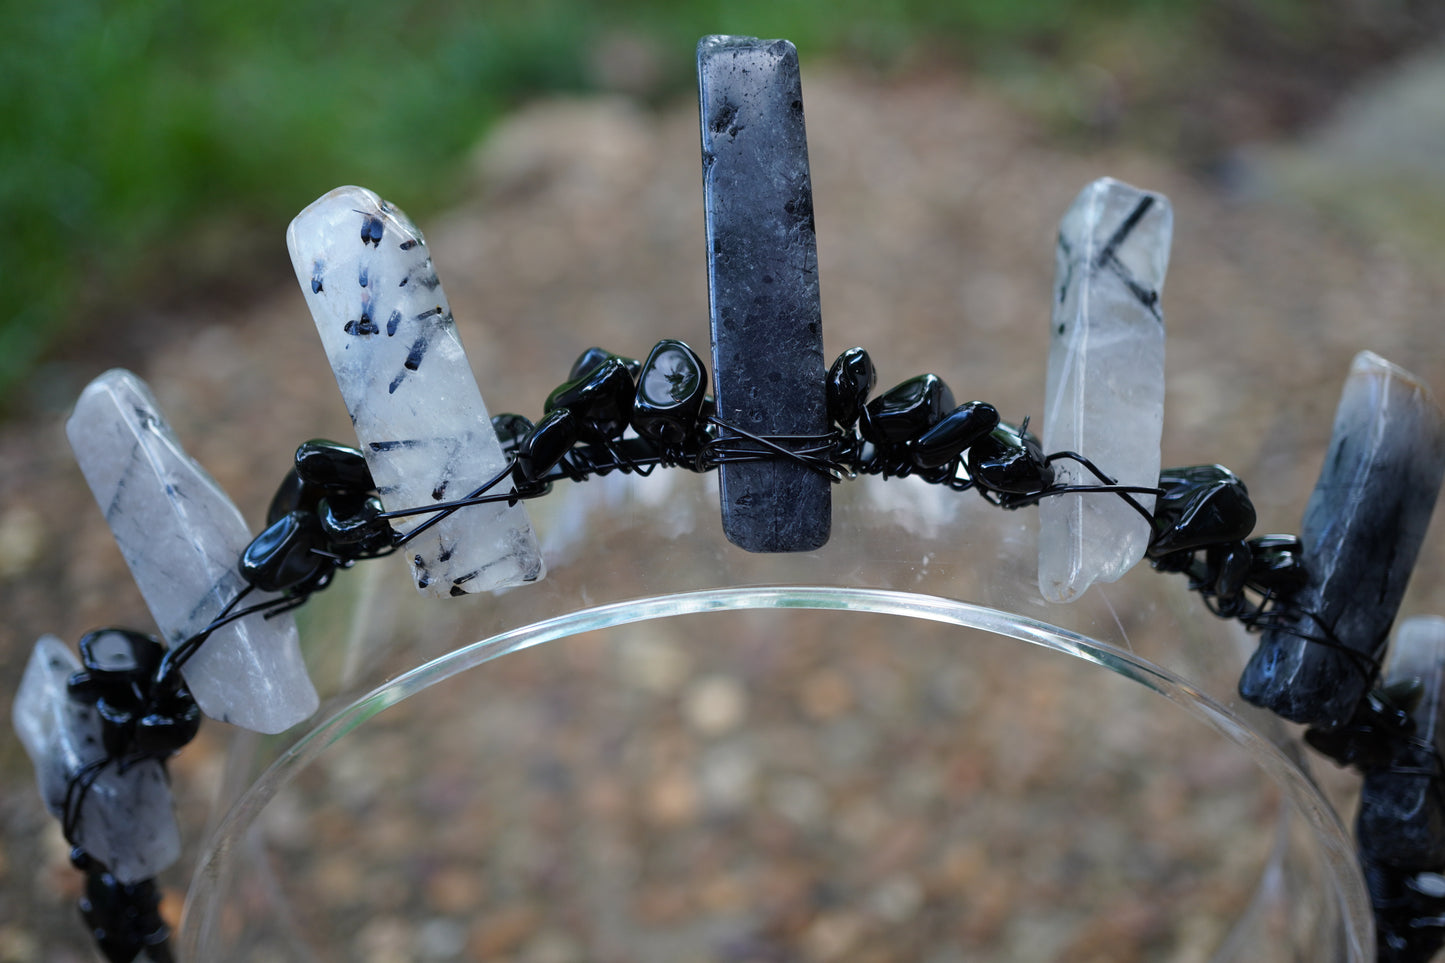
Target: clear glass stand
[{"x": 729, "y": 757}]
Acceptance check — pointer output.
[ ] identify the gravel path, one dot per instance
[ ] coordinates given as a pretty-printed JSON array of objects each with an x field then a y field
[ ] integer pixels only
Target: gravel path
[{"x": 741, "y": 787}]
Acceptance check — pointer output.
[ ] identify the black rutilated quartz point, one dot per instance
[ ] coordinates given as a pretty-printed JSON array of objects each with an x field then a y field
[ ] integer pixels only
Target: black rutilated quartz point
[
  {"x": 1361, "y": 532},
  {"x": 1401, "y": 823},
  {"x": 1401, "y": 820},
  {"x": 767, "y": 336}
]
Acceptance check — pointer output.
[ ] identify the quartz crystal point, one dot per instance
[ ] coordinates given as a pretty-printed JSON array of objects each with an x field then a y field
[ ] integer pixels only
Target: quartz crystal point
[
  {"x": 182, "y": 538},
  {"x": 767, "y": 334},
  {"x": 379, "y": 307},
  {"x": 1361, "y": 531},
  {"x": 1402, "y": 816},
  {"x": 1105, "y": 395},
  {"x": 126, "y": 820}
]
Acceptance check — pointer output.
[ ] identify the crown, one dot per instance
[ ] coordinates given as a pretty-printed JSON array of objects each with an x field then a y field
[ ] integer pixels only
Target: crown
[{"x": 445, "y": 485}]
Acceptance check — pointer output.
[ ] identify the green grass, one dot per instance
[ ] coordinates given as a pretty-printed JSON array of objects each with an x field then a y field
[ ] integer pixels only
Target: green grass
[{"x": 129, "y": 131}]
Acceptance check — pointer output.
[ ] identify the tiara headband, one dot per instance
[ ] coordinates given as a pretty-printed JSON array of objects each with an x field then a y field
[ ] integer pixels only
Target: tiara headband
[{"x": 438, "y": 480}]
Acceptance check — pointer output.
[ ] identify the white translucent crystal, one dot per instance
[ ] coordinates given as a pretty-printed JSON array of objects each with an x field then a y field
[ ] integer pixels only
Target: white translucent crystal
[
  {"x": 388, "y": 332},
  {"x": 126, "y": 819},
  {"x": 1105, "y": 396},
  {"x": 182, "y": 538}
]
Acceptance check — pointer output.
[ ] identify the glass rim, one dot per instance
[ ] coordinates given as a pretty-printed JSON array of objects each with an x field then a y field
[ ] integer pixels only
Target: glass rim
[{"x": 202, "y": 909}]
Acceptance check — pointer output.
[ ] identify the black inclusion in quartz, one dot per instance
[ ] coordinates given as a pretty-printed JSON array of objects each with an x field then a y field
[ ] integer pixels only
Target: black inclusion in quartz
[
  {"x": 1361, "y": 532},
  {"x": 767, "y": 334}
]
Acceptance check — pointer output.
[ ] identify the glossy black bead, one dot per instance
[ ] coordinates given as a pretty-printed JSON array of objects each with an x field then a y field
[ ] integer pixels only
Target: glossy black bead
[
  {"x": 115, "y": 656},
  {"x": 293, "y": 495},
  {"x": 1201, "y": 505},
  {"x": 955, "y": 432},
  {"x": 173, "y": 722},
  {"x": 851, "y": 380},
  {"x": 906, "y": 411},
  {"x": 595, "y": 356},
  {"x": 281, "y": 556},
  {"x": 1278, "y": 563},
  {"x": 601, "y": 401},
  {"x": 124, "y": 918},
  {"x": 1268, "y": 564},
  {"x": 511, "y": 429},
  {"x": 119, "y": 680},
  {"x": 353, "y": 521},
  {"x": 1232, "y": 563},
  {"x": 587, "y": 360},
  {"x": 119, "y": 665},
  {"x": 1010, "y": 460},
  {"x": 1381, "y": 721},
  {"x": 333, "y": 466},
  {"x": 548, "y": 442},
  {"x": 670, "y": 390}
]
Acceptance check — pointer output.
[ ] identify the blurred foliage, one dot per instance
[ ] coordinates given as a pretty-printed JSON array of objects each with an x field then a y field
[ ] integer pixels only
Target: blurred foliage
[{"x": 146, "y": 146}]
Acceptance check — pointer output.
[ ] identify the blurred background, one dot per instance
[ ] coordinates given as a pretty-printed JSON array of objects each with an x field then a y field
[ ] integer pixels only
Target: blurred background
[
  {"x": 151, "y": 155},
  {"x": 151, "y": 150}
]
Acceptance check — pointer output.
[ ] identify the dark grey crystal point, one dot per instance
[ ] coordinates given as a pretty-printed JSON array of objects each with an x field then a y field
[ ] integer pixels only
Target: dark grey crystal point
[
  {"x": 767, "y": 335},
  {"x": 1401, "y": 821},
  {"x": 1361, "y": 532}
]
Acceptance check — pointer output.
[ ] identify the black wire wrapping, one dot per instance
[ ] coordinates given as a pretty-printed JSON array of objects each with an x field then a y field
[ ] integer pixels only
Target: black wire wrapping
[{"x": 840, "y": 454}]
